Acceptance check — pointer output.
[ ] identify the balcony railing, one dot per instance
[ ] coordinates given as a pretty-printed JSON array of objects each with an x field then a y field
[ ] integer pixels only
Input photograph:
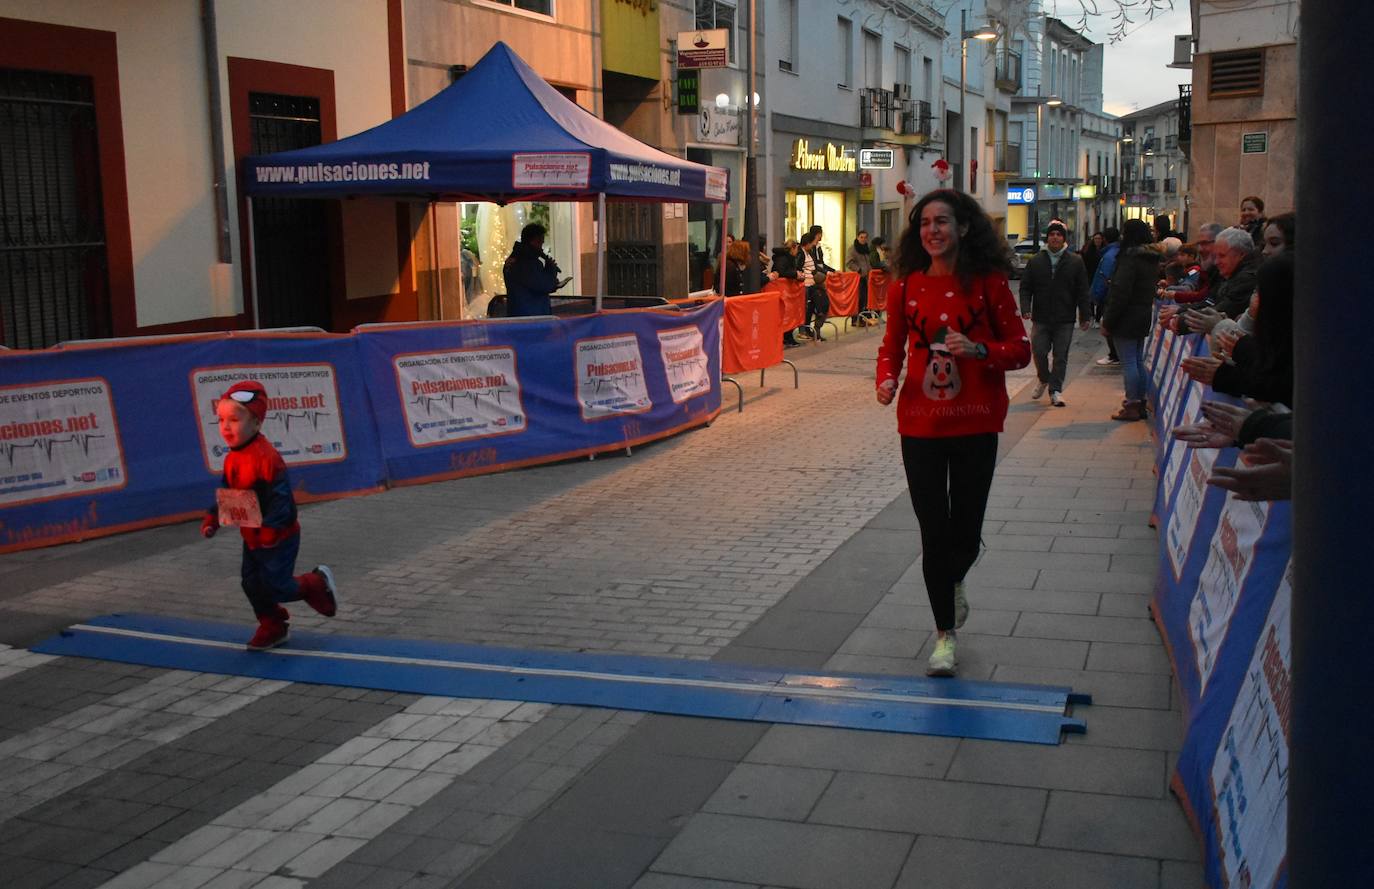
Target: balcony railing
[
  {"x": 1006, "y": 157},
  {"x": 884, "y": 110},
  {"x": 877, "y": 108},
  {"x": 1170, "y": 141},
  {"x": 1008, "y": 71},
  {"x": 1185, "y": 113},
  {"x": 1149, "y": 186},
  {"x": 1128, "y": 186},
  {"x": 1170, "y": 186}
]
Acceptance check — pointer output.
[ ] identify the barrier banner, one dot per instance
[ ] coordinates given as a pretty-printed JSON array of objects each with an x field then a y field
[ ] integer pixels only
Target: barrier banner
[
  {"x": 1222, "y": 601},
  {"x": 843, "y": 289},
  {"x": 793, "y": 295},
  {"x": 878, "y": 279},
  {"x": 753, "y": 332},
  {"x": 105, "y": 438},
  {"x": 459, "y": 398}
]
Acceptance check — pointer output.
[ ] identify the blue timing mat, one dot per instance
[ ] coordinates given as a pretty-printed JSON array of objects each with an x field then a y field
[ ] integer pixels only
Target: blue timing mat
[{"x": 914, "y": 705}]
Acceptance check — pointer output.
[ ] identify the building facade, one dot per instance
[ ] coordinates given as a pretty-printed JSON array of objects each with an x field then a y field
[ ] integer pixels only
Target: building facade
[
  {"x": 1066, "y": 137},
  {"x": 1154, "y": 167},
  {"x": 1239, "y": 114}
]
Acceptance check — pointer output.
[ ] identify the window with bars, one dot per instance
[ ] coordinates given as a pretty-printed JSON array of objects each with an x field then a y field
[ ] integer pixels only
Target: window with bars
[
  {"x": 54, "y": 280},
  {"x": 717, "y": 14},
  {"x": 1236, "y": 74}
]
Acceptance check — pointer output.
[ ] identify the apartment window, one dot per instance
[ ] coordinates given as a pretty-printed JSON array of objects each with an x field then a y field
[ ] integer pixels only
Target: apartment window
[
  {"x": 873, "y": 60},
  {"x": 716, "y": 14},
  {"x": 901, "y": 71},
  {"x": 543, "y": 7},
  {"x": 928, "y": 79},
  {"x": 1236, "y": 74},
  {"x": 846, "y": 28},
  {"x": 788, "y": 50}
]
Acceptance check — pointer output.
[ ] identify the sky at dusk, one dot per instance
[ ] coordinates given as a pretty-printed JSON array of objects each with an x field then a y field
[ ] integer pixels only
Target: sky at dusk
[{"x": 1135, "y": 75}]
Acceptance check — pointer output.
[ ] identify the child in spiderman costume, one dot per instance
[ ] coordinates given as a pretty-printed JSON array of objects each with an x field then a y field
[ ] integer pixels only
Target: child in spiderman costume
[{"x": 266, "y": 515}]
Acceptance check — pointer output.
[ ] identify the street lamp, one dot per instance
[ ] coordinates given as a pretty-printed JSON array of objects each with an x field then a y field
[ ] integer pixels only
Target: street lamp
[
  {"x": 982, "y": 32},
  {"x": 1040, "y": 171}
]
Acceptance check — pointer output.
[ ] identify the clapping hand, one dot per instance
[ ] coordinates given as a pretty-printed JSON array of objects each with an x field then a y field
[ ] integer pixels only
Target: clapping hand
[
  {"x": 1202, "y": 320},
  {"x": 1201, "y": 368},
  {"x": 1203, "y": 435},
  {"x": 1265, "y": 472},
  {"x": 1226, "y": 342},
  {"x": 1226, "y": 418}
]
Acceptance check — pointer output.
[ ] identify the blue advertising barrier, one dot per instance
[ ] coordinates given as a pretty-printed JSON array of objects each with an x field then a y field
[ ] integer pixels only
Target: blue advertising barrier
[
  {"x": 1222, "y": 603},
  {"x": 103, "y": 438},
  {"x": 450, "y": 399}
]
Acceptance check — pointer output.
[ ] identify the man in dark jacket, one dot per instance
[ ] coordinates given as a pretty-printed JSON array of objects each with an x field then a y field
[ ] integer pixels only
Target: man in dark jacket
[
  {"x": 1238, "y": 262},
  {"x": 1054, "y": 289},
  {"x": 530, "y": 276}
]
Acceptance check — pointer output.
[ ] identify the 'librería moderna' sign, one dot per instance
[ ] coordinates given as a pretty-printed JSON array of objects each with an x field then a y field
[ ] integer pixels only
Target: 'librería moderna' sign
[{"x": 832, "y": 158}]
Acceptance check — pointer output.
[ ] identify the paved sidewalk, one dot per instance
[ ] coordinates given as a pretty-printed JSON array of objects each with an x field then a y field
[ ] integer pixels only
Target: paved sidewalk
[{"x": 778, "y": 536}]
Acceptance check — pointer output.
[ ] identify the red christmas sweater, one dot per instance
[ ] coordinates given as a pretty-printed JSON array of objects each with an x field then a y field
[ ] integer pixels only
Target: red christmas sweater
[
  {"x": 258, "y": 467},
  {"x": 944, "y": 396}
]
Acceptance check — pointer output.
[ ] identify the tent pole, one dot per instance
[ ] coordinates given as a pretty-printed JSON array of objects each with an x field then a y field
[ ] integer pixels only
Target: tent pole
[
  {"x": 600, "y": 248},
  {"x": 253, "y": 268},
  {"x": 720, "y": 267},
  {"x": 434, "y": 261}
]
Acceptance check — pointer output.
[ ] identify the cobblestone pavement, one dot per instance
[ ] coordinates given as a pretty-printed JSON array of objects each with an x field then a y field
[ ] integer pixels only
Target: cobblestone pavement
[{"x": 781, "y": 535}]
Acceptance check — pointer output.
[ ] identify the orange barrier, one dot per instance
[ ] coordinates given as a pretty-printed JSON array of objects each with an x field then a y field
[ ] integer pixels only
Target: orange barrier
[
  {"x": 843, "y": 288},
  {"x": 878, "y": 279},
  {"x": 793, "y": 294},
  {"x": 753, "y": 332}
]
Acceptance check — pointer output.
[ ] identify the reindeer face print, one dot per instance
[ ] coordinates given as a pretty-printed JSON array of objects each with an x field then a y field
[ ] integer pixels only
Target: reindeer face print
[
  {"x": 942, "y": 313},
  {"x": 942, "y": 376}
]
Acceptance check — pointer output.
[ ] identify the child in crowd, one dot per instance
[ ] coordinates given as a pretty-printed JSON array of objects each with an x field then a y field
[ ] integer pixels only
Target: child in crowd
[{"x": 265, "y": 511}]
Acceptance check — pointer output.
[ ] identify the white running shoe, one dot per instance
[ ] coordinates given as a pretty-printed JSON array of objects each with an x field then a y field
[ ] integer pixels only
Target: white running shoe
[
  {"x": 1039, "y": 390},
  {"x": 942, "y": 661},
  {"x": 960, "y": 606},
  {"x": 1108, "y": 361},
  {"x": 1056, "y": 399}
]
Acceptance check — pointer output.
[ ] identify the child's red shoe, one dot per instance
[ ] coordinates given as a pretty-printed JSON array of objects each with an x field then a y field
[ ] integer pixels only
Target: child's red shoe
[
  {"x": 272, "y": 631},
  {"x": 319, "y": 591}
]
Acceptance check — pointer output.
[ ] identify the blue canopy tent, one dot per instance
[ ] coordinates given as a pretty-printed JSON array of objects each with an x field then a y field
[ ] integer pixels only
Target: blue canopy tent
[{"x": 501, "y": 134}]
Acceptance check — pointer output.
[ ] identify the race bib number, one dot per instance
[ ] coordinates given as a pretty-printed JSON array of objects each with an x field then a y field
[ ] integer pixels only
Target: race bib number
[{"x": 238, "y": 507}]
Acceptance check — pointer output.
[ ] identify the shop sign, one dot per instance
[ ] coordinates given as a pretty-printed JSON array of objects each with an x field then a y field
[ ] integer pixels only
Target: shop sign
[
  {"x": 866, "y": 194},
  {"x": 875, "y": 158},
  {"x": 1021, "y": 195},
  {"x": 833, "y": 158},
  {"x": 703, "y": 49},
  {"x": 1254, "y": 143},
  {"x": 1085, "y": 192},
  {"x": 719, "y": 126},
  {"x": 1055, "y": 193},
  {"x": 688, "y": 92}
]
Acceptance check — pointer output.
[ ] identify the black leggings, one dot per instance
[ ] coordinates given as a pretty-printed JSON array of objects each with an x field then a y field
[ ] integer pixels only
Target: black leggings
[{"x": 949, "y": 479}]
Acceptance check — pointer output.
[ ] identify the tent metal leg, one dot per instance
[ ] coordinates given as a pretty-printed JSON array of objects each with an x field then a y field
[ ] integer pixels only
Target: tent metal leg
[
  {"x": 601, "y": 235},
  {"x": 253, "y": 268},
  {"x": 434, "y": 261}
]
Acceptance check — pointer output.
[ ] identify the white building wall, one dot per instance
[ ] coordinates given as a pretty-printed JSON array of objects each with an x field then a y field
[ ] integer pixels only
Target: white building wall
[{"x": 1224, "y": 25}]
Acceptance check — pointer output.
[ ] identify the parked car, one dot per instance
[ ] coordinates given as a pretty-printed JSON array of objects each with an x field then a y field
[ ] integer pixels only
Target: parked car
[{"x": 1021, "y": 254}]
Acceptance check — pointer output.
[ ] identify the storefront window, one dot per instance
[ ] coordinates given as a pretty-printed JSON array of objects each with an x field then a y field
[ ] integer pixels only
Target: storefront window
[
  {"x": 489, "y": 231},
  {"x": 824, "y": 208}
]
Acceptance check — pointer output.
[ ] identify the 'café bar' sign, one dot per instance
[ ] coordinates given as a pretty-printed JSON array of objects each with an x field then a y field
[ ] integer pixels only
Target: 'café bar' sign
[{"x": 832, "y": 158}]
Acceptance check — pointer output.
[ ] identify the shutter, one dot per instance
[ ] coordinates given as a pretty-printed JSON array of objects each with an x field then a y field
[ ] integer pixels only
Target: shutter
[{"x": 1237, "y": 74}]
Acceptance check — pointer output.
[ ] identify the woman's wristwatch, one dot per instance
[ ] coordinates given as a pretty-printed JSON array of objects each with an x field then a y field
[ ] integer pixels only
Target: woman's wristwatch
[{"x": 980, "y": 351}]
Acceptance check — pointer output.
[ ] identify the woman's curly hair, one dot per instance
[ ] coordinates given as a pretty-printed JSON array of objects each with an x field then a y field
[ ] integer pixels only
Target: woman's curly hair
[{"x": 981, "y": 250}]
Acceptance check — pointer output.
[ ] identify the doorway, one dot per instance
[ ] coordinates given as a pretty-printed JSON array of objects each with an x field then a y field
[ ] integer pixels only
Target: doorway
[{"x": 290, "y": 236}]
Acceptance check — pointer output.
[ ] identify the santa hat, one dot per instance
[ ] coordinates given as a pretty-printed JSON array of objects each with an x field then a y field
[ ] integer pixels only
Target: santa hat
[{"x": 250, "y": 394}]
